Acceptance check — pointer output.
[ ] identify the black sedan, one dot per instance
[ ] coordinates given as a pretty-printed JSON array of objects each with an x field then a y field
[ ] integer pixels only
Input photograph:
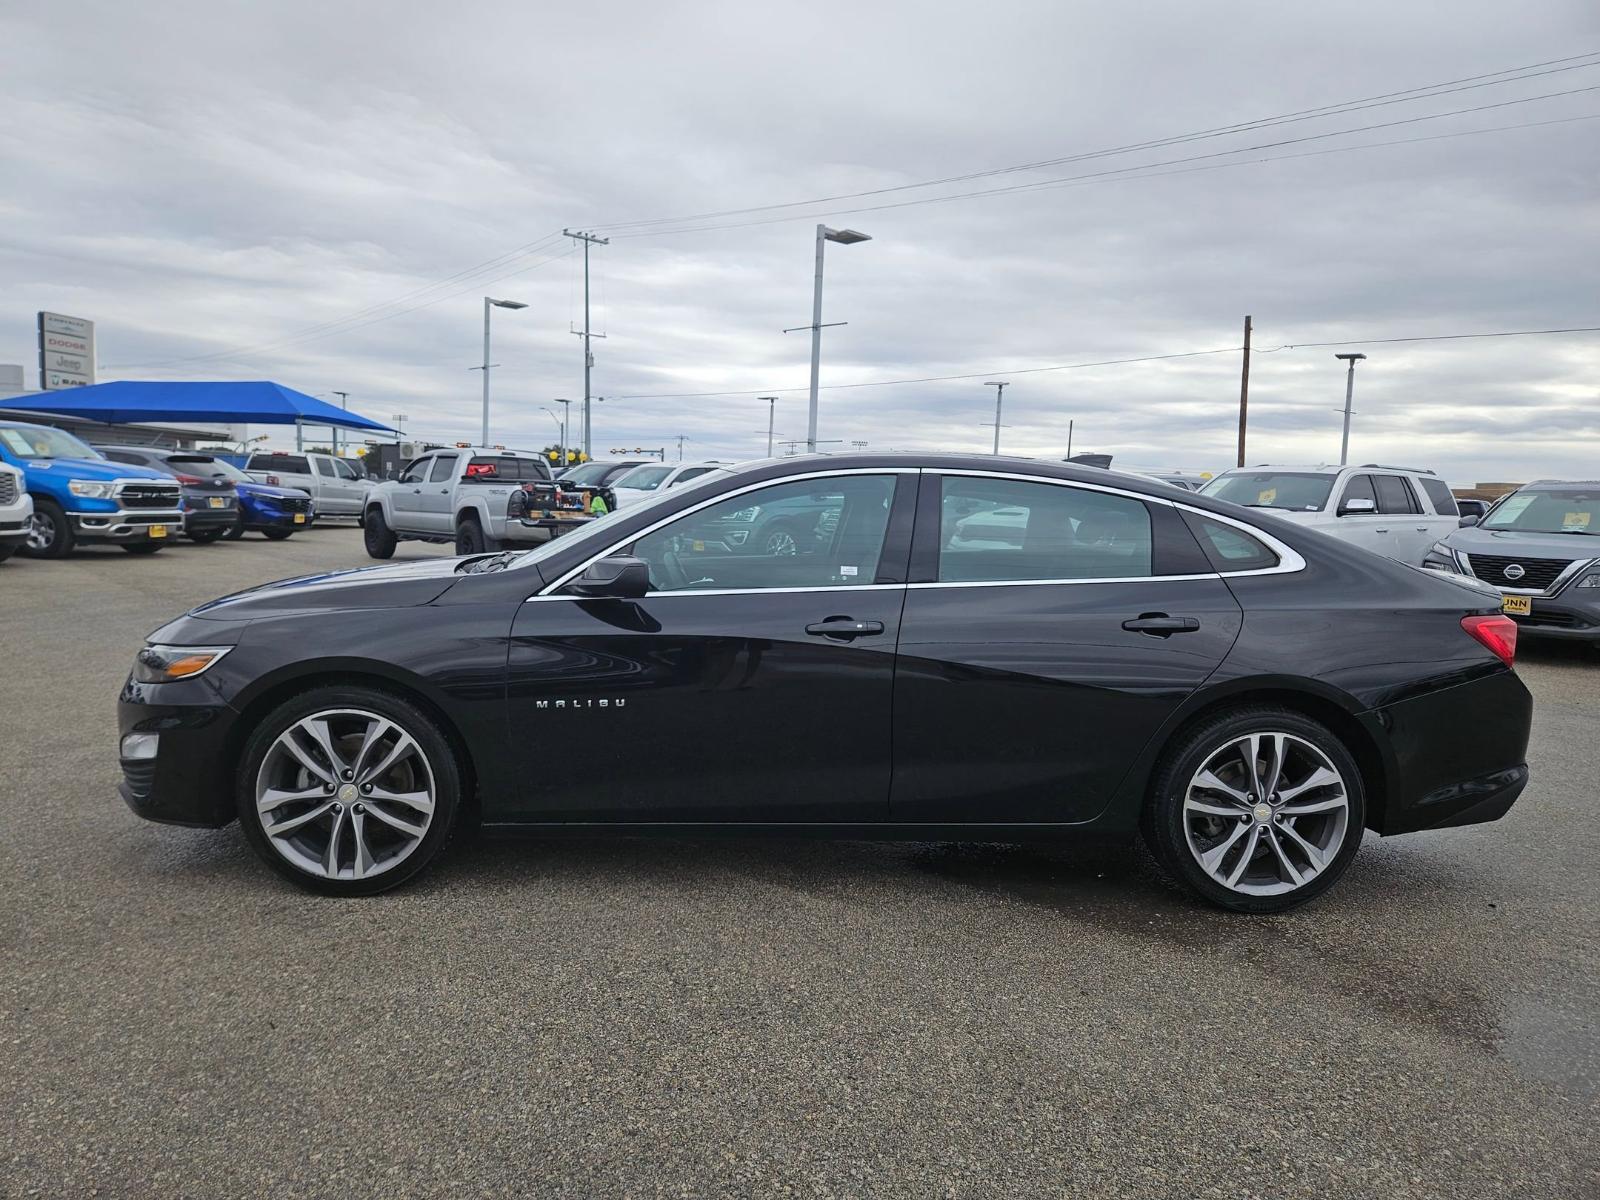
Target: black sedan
[{"x": 1112, "y": 659}]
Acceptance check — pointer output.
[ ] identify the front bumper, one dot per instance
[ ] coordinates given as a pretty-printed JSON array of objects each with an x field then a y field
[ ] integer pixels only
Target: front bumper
[
  {"x": 210, "y": 518},
  {"x": 125, "y": 525},
  {"x": 13, "y": 530},
  {"x": 188, "y": 781}
]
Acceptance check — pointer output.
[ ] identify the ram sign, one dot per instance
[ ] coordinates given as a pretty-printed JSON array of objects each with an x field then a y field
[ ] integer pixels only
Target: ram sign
[{"x": 66, "y": 351}]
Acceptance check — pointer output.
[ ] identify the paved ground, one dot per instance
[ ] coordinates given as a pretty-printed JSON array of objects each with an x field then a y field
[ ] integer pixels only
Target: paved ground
[{"x": 758, "y": 1018}]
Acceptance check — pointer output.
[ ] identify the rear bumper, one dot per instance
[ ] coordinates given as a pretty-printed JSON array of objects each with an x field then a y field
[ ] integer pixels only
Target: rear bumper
[{"x": 1457, "y": 756}]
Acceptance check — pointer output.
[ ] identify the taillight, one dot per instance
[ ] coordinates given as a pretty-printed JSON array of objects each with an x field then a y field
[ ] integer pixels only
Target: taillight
[
  {"x": 272, "y": 480},
  {"x": 1497, "y": 632},
  {"x": 190, "y": 480}
]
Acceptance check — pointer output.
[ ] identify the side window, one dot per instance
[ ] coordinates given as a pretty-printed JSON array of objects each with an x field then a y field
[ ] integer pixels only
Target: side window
[
  {"x": 345, "y": 470},
  {"x": 417, "y": 471},
  {"x": 691, "y": 473},
  {"x": 1394, "y": 494},
  {"x": 325, "y": 468},
  {"x": 122, "y": 456},
  {"x": 1359, "y": 488},
  {"x": 444, "y": 466},
  {"x": 1228, "y": 547},
  {"x": 806, "y": 533},
  {"x": 1443, "y": 500},
  {"x": 994, "y": 530}
]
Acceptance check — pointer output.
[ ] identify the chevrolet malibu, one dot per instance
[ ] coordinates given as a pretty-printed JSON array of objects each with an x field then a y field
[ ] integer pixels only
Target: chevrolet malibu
[{"x": 1114, "y": 659}]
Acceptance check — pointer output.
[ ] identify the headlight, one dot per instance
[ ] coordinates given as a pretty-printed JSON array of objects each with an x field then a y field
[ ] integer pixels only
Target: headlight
[
  {"x": 746, "y": 515},
  {"x": 1440, "y": 550},
  {"x": 164, "y": 664},
  {"x": 92, "y": 489},
  {"x": 1590, "y": 581}
]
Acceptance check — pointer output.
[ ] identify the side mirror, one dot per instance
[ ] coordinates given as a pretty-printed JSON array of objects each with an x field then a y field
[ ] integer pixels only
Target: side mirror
[
  {"x": 1357, "y": 507},
  {"x": 621, "y": 577},
  {"x": 1469, "y": 520}
]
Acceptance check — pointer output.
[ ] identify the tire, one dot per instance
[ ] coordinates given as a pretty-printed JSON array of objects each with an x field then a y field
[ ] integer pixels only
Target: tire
[
  {"x": 50, "y": 534},
  {"x": 1199, "y": 834},
  {"x": 205, "y": 537},
  {"x": 469, "y": 536},
  {"x": 277, "y": 535},
  {"x": 311, "y": 817},
  {"x": 234, "y": 532},
  {"x": 379, "y": 538},
  {"x": 145, "y": 547}
]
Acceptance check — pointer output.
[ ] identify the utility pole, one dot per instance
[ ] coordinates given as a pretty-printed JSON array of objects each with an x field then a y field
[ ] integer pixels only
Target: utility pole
[
  {"x": 682, "y": 438},
  {"x": 1244, "y": 389},
  {"x": 1349, "y": 391},
  {"x": 588, "y": 239},
  {"x": 999, "y": 391},
  {"x": 344, "y": 403},
  {"x": 772, "y": 415},
  {"x": 566, "y": 409},
  {"x": 1069, "y": 438}
]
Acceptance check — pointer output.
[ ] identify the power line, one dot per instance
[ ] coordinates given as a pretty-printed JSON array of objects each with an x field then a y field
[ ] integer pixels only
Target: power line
[
  {"x": 1116, "y": 362},
  {"x": 1128, "y": 172},
  {"x": 1422, "y": 92}
]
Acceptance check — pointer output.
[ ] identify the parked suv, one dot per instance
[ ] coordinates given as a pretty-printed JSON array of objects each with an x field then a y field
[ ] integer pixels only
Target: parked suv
[
  {"x": 16, "y": 511},
  {"x": 337, "y": 485},
  {"x": 1394, "y": 511},
  {"x": 1540, "y": 546},
  {"x": 78, "y": 496},
  {"x": 210, "y": 503},
  {"x": 473, "y": 496}
]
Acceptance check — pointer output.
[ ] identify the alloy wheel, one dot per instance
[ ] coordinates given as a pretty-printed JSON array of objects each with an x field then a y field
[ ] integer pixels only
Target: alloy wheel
[
  {"x": 781, "y": 543},
  {"x": 1266, "y": 813},
  {"x": 41, "y": 531},
  {"x": 345, "y": 794}
]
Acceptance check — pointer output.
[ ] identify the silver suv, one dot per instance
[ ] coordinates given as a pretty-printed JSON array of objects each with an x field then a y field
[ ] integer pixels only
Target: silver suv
[{"x": 1540, "y": 546}]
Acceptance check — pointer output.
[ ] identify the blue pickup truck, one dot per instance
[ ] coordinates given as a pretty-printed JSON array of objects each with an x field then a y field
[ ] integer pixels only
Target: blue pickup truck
[{"x": 79, "y": 496}]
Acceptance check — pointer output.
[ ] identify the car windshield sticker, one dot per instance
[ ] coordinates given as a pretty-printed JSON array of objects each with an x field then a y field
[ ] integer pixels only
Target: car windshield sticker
[
  {"x": 1575, "y": 520},
  {"x": 1513, "y": 508},
  {"x": 18, "y": 443},
  {"x": 1266, "y": 495}
]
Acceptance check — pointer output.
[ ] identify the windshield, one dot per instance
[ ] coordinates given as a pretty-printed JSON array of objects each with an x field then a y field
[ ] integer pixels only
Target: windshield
[
  {"x": 1296, "y": 491},
  {"x": 644, "y": 479},
  {"x": 1567, "y": 510},
  {"x": 590, "y": 473},
  {"x": 37, "y": 441},
  {"x": 597, "y": 531}
]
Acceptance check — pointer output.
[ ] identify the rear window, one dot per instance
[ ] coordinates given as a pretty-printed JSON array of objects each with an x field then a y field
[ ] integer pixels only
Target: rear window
[
  {"x": 1440, "y": 496},
  {"x": 290, "y": 464},
  {"x": 486, "y": 468},
  {"x": 1297, "y": 491}
]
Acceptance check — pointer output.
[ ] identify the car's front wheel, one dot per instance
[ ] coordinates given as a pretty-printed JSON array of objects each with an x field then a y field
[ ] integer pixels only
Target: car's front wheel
[
  {"x": 49, "y": 532},
  {"x": 206, "y": 536},
  {"x": 1258, "y": 810},
  {"x": 348, "y": 791},
  {"x": 379, "y": 539}
]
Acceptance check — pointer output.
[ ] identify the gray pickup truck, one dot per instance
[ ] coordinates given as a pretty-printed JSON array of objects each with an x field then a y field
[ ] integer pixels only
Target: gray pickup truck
[{"x": 477, "y": 497}]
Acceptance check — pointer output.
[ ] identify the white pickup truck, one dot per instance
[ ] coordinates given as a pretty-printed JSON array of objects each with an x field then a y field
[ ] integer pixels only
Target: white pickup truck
[
  {"x": 338, "y": 487},
  {"x": 16, "y": 511},
  {"x": 476, "y": 497},
  {"x": 1398, "y": 512}
]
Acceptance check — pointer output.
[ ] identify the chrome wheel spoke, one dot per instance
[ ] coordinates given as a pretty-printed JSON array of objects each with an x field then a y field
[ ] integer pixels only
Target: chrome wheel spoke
[
  {"x": 1248, "y": 853},
  {"x": 317, "y": 802},
  {"x": 1319, "y": 778},
  {"x": 1318, "y": 859},
  {"x": 1212, "y": 859},
  {"x": 1277, "y": 745},
  {"x": 1283, "y": 859},
  {"x": 1209, "y": 781},
  {"x": 1230, "y": 812},
  {"x": 1313, "y": 806}
]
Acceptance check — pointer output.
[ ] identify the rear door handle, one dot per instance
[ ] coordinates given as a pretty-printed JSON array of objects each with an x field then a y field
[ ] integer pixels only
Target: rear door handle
[
  {"x": 1161, "y": 625},
  {"x": 844, "y": 628}
]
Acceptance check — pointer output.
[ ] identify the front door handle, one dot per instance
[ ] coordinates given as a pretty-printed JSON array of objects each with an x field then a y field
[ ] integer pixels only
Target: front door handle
[
  {"x": 1161, "y": 625},
  {"x": 844, "y": 629},
  {"x": 1380, "y": 531}
]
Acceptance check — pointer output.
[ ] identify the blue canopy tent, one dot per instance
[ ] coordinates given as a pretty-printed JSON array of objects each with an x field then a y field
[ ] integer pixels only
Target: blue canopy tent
[{"x": 130, "y": 401}]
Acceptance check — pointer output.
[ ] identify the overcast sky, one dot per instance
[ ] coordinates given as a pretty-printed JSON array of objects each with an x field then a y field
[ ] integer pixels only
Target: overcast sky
[{"x": 215, "y": 183}]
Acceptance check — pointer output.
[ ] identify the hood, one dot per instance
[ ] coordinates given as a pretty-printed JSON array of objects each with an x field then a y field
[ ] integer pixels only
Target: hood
[
  {"x": 88, "y": 468},
  {"x": 400, "y": 585},
  {"x": 1512, "y": 542},
  {"x": 271, "y": 490}
]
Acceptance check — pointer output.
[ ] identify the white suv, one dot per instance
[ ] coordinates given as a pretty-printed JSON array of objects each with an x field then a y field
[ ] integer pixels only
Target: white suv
[{"x": 1395, "y": 511}]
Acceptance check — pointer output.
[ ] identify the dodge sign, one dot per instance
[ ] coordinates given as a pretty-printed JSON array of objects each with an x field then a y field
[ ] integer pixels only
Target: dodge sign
[{"x": 66, "y": 351}]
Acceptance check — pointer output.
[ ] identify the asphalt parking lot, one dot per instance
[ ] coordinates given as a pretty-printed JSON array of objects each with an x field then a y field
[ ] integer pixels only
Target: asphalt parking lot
[{"x": 760, "y": 1018}]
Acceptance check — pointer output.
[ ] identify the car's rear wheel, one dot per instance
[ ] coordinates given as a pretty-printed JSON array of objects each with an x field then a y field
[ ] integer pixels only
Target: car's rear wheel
[
  {"x": 378, "y": 537},
  {"x": 277, "y": 535},
  {"x": 1258, "y": 810},
  {"x": 348, "y": 791},
  {"x": 469, "y": 536},
  {"x": 234, "y": 532},
  {"x": 49, "y": 532}
]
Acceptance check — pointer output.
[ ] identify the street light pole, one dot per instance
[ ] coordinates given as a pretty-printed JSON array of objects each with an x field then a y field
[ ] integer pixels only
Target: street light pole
[
  {"x": 845, "y": 237},
  {"x": 999, "y": 391},
  {"x": 1349, "y": 391},
  {"x": 344, "y": 403},
  {"x": 488, "y": 303},
  {"x": 772, "y": 415}
]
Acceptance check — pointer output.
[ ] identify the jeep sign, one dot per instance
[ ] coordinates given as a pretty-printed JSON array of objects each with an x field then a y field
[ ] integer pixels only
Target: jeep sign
[{"x": 66, "y": 351}]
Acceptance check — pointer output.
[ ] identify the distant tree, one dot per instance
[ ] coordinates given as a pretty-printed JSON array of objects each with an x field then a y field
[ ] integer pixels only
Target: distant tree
[{"x": 318, "y": 450}]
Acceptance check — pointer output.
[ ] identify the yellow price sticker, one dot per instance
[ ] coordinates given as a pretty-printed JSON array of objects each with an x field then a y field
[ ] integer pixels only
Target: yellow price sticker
[
  {"x": 1575, "y": 520},
  {"x": 1266, "y": 495}
]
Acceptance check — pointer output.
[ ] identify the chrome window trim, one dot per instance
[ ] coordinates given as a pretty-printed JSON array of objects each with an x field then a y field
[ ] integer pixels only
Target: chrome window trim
[
  {"x": 837, "y": 473},
  {"x": 1289, "y": 560},
  {"x": 838, "y": 587}
]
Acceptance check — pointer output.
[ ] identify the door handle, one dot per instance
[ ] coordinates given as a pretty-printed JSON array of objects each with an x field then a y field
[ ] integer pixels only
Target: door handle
[
  {"x": 1380, "y": 531},
  {"x": 844, "y": 628},
  {"x": 1422, "y": 529},
  {"x": 1161, "y": 625}
]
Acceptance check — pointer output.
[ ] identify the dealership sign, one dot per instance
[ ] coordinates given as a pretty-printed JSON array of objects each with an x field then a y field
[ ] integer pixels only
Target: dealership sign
[{"x": 66, "y": 351}]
